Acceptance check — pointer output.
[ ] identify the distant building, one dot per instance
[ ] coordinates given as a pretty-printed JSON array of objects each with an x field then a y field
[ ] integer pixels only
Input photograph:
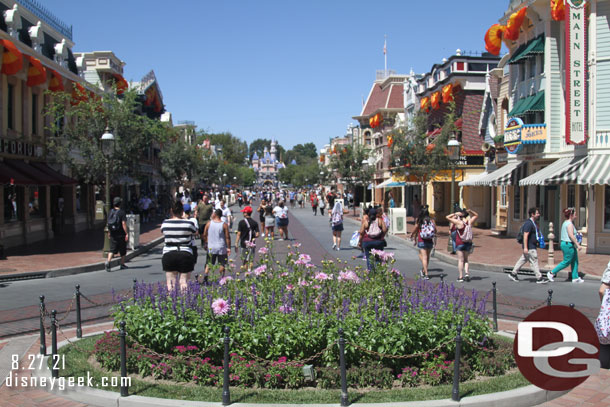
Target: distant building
[{"x": 267, "y": 166}]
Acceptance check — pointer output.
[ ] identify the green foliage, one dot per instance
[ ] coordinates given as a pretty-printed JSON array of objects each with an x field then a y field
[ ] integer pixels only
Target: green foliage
[
  {"x": 416, "y": 154},
  {"x": 258, "y": 146},
  {"x": 78, "y": 128},
  {"x": 348, "y": 165},
  {"x": 180, "y": 160},
  {"x": 302, "y": 153},
  {"x": 300, "y": 175}
]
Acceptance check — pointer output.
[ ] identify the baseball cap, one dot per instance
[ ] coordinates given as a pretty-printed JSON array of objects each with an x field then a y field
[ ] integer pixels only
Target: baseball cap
[
  {"x": 247, "y": 209},
  {"x": 117, "y": 200}
]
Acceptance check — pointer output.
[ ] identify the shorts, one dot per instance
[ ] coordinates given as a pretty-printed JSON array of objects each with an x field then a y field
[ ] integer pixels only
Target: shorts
[
  {"x": 178, "y": 260},
  {"x": 282, "y": 221},
  {"x": 118, "y": 245},
  {"x": 337, "y": 228},
  {"x": 201, "y": 227},
  {"x": 425, "y": 245},
  {"x": 216, "y": 258},
  {"x": 247, "y": 254},
  {"x": 464, "y": 247}
]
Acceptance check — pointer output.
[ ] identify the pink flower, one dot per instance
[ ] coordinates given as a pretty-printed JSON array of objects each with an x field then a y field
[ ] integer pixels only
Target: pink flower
[
  {"x": 220, "y": 306},
  {"x": 260, "y": 270},
  {"x": 284, "y": 274},
  {"x": 321, "y": 276},
  {"x": 317, "y": 287},
  {"x": 309, "y": 266},
  {"x": 305, "y": 258},
  {"x": 224, "y": 280},
  {"x": 348, "y": 275},
  {"x": 303, "y": 283},
  {"x": 289, "y": 287},
  {"x": 263, "y": 250},
  {"x": 395, "y": 271},
  {"x": 384, "y": 256},
  {"x": 286, "y": 309},
  {"x": 297, "y": 245},
  {"x": 250, "y": 245}
]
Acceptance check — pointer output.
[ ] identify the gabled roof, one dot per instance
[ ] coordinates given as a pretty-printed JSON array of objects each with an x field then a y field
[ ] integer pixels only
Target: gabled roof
[
  {"x": 255, "y": 156},
  {"x": 388, "y": 97}
]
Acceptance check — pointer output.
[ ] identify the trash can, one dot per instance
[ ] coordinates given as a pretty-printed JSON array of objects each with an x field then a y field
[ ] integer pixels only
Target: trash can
[{"x": 133, "y": 229}]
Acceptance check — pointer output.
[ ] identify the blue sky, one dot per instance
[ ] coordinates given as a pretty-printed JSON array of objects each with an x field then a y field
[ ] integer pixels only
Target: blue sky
[{"x": 292, "y": 70}]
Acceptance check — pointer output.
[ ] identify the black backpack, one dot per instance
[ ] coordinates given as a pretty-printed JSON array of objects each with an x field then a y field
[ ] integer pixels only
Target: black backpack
[
  {"x": 520, "y": 234},
  {"x": 114, "y": 221}
]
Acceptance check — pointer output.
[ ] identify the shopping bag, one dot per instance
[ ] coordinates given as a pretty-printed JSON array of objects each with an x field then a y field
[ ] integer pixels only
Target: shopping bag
[{"x": 355, "y": 239}]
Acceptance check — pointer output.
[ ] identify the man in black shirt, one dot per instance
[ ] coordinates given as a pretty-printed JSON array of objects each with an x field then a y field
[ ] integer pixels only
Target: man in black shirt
[
  {"x": 529, "y": 245},
  {"x": 117, "y": 233},
  {"x": 247, "y": 231}
]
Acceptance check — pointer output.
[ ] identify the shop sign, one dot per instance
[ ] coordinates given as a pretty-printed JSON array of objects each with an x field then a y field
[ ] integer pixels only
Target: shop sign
[
  {"x": 533, "y": 134},
  {"x": 445, "y": 176},
  {"x": 501, "y": 157},
  {"x": 576, "y": 72},
  {"x": 512, "y": 135},
  {"x": 19, "y": 148}
]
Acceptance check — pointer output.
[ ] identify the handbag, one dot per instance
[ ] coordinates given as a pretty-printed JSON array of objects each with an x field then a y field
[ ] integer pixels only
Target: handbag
[
  {"x": 602, "y": 323},
  {"x": 355, "y": 239}
]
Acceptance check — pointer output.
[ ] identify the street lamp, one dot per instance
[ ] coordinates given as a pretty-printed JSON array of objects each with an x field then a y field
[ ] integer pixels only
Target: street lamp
[
  {"x": 107, "y": 144},
  {"x": 454, "y": 155}
]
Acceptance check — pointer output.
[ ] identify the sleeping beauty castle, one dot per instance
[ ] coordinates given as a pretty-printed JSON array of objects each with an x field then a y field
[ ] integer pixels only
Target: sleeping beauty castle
[{"x": 267, "y": 166}]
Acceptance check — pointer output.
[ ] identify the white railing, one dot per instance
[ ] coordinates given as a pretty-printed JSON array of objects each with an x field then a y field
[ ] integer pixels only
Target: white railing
[{"x": 600, "y": 139}]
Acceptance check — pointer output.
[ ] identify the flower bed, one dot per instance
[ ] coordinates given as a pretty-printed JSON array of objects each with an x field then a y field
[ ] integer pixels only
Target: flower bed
[{"x": 282, "y": 316}]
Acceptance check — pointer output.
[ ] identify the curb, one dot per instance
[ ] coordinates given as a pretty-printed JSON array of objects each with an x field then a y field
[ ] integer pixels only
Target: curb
[
  {"x": 87, "y": 268},
  {"x": 449, "y": 259},
  {"x": 527, "y": 396}
]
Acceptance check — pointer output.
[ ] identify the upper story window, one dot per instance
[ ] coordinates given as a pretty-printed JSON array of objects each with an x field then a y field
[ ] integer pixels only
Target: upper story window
[
  {"x": 459, "y": 66},
  {"x": 437, "y": 76},
  {"x": 24, "y": 33}
]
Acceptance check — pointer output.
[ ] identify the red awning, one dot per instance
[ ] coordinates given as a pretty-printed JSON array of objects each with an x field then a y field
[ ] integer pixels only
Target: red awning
[
  {"x": 64, "y": 180},
  {"x": 39, "y": 177},
  {"x": 12, "y": 58},
  {"x": 37, "y": 74},
  {"x": 9, "y": 175},
  {"x": 56, "y": 84}
]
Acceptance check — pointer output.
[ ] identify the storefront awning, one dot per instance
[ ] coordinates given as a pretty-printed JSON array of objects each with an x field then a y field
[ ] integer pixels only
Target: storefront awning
[
  {"x": 518, "y": 107},
  {"x": 56, "y": 83},
  {"x": 530, "y": 104},
  {"x": 501, "y": 176},
  {"x": 471, "y": 180},
  {"x": 39, "y": 177},
  {"x": 532, "y": 48},
  {"x": 12, "y": 58},
  {"x": 552, "y": 173},
  {"x": 61, "y": 178},
  {"x": 37, "y": 74},
  {"x": 390, "y": 183},
  {"x": 11, "y": 176},
  {"x": 596, "y": 171}
]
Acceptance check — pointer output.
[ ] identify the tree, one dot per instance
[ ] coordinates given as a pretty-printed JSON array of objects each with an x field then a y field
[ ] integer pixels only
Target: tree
[
  {"x": 302, "y": 153},
  {"x": 78, "y": 123},
  {"x": 418, "y": 156},
  {"x": 300, "y": 175},
  {"x": 349, "y": 164},
  {"x": 258, "y": 146},
  {"x": 180, "y": 160}
]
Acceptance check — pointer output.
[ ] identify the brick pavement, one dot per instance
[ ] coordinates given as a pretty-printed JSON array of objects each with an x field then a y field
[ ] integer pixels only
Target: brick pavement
[
  {"x": 73, "y": 250},
  {"x": 505, "y": 251}
]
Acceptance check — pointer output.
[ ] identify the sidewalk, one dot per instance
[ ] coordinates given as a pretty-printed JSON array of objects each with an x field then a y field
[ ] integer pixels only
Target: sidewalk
[
  {"x": 495, "y": 253},
  {"x": 68, "y": 252}
]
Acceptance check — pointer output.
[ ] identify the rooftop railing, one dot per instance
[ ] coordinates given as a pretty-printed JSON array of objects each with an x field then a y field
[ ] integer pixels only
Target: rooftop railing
[{"x": 45, "y": 15}]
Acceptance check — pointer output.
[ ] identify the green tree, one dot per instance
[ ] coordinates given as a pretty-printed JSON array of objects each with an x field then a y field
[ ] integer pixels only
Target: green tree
[
  {"x": 349, "y": 164},
  {"x": 300, "y": 175},
  {"x": 78, "y": 126},
  {"x": 180, "y": 161},
  {"x": 416, "y": 154},
  {"x": 258, "y": 146},
  {"x": 233, "y": 149}
]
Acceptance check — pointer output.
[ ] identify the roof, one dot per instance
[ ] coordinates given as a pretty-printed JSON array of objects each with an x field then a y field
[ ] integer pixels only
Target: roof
[
  {"x": 389, "y": 97},
  {"x": 255, "y": 156}
]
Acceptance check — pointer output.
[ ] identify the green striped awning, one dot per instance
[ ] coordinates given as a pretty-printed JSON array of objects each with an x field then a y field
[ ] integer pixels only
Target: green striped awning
[
  {"x": 529, "y": 50},
  {"x": 530, "y": 104},
  {"x": 518, "y": 107}
]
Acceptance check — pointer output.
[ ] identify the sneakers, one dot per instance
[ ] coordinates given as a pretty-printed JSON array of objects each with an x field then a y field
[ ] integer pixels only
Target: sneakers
[
  {"x": 542, "y": 280},
  {"x": 550, "y": 276},
  {"x": 467, "y": 278},
  {"x": 334, "y": 246},
  {"x": 426, "y": 278},
  {"x": 107, "y": 267},
  {"x": 578, "y": 280},
  {"x": 513, "y": 277},
  {"x": 421, "y": 273},
  {"x": 338, "y": 249},
  {"x": 460, "y": 280},
  {"x": 123, "y": 267}
]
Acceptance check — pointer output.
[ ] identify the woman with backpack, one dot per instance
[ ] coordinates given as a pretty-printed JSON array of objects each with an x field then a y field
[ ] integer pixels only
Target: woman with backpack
[
  {"x": 321, "y": 204},
  {"x": 373, "y": 231},
  {"x": 336, "y": 220},
  {"x": 463, "y": 239},
  {"x": 424, "y": 236}
]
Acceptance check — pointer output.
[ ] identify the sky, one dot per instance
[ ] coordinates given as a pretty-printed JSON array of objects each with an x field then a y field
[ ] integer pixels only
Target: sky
[{"x": 296, "y": 71}]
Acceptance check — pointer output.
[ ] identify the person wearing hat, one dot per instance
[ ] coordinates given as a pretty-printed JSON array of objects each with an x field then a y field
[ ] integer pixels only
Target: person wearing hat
[
  {"x": 247, "y": 231},
  {"x": 117, "y": 233}
]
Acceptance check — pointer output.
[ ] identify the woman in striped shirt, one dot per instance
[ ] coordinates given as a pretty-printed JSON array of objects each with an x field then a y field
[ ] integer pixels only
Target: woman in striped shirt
[{"x": 177, "y": 258}]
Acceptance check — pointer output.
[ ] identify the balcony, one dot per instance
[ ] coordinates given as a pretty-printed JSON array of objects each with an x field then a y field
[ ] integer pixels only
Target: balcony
[{"x": 47, "y": 17}]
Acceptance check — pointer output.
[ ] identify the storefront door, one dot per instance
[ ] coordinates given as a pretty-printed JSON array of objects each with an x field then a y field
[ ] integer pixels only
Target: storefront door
[{"x": 548, "y": 200}]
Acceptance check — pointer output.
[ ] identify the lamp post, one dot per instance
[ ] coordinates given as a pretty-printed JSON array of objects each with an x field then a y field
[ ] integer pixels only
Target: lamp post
[
  {"x": 107, "y": 144},
  {"x": 454, "y": 155}
]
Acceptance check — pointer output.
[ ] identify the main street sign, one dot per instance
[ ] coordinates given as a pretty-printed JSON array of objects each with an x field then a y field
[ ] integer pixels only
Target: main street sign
[{"x": 576, "y": 72}]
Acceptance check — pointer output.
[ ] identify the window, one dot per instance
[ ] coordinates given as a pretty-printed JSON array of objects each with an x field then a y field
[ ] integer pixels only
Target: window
[
  {"x": 532, "y": 64},
  {"x": 10, "y": 204},
  {"x": 571, "y": 196},
  {"x": 10, "y": 107},
  {"x": 582, "y": 206},
  {"x": 34, "y": 113},
  {"x": 517, "y": 202},
  {"x": 459, "y": 66},
  {"x": 34, "y": 209},
  {"x": 521, "y": 72},
  {"x": 606, "y": 207},
  {"x": 503, "y": 200}
]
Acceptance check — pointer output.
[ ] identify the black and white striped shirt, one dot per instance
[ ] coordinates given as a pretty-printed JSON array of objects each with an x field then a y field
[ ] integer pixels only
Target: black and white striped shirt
[{"x": 178, "y": 234}]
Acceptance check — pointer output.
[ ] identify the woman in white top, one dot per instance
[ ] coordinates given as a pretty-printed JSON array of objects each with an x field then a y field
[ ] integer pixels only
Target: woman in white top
[
  {"x": 177, "y": 257},
  {"x": 281, "y": 216},
  {"x": 336, "y": 223}
]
